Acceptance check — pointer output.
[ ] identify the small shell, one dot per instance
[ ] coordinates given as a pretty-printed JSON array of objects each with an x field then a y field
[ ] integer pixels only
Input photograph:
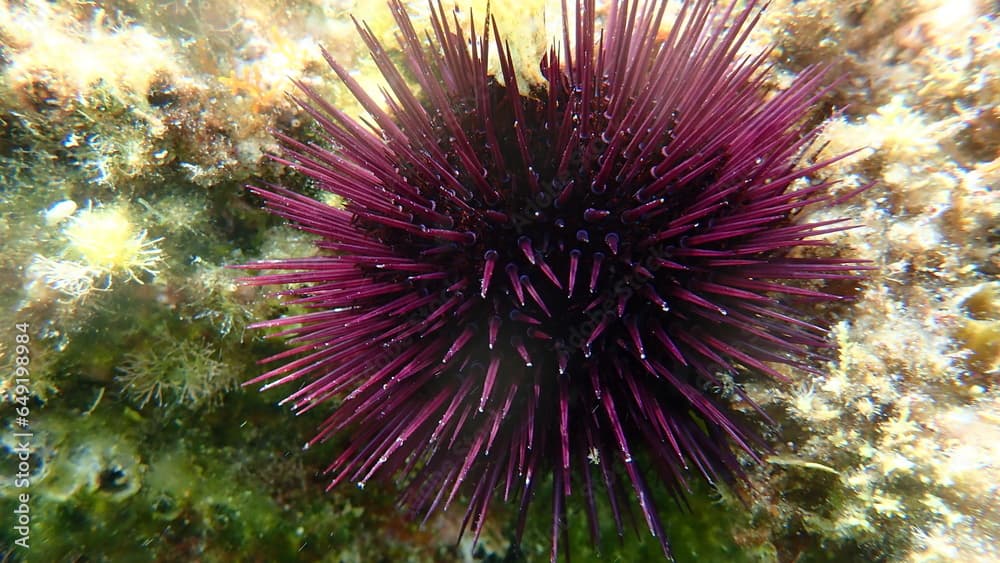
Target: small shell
[{"x": 59, "y": 212}]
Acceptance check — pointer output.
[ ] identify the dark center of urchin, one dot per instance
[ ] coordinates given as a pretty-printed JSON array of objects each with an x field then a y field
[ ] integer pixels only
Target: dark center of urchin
[{"x": 571, "y": 265}]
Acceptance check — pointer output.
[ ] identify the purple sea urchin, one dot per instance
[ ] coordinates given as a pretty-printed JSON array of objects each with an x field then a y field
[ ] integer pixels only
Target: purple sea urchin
[{"x": 524, "y": 285}]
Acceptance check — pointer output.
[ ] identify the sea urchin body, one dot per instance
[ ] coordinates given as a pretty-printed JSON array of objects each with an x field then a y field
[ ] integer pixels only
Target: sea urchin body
[{"x": 524, "y": 285}]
